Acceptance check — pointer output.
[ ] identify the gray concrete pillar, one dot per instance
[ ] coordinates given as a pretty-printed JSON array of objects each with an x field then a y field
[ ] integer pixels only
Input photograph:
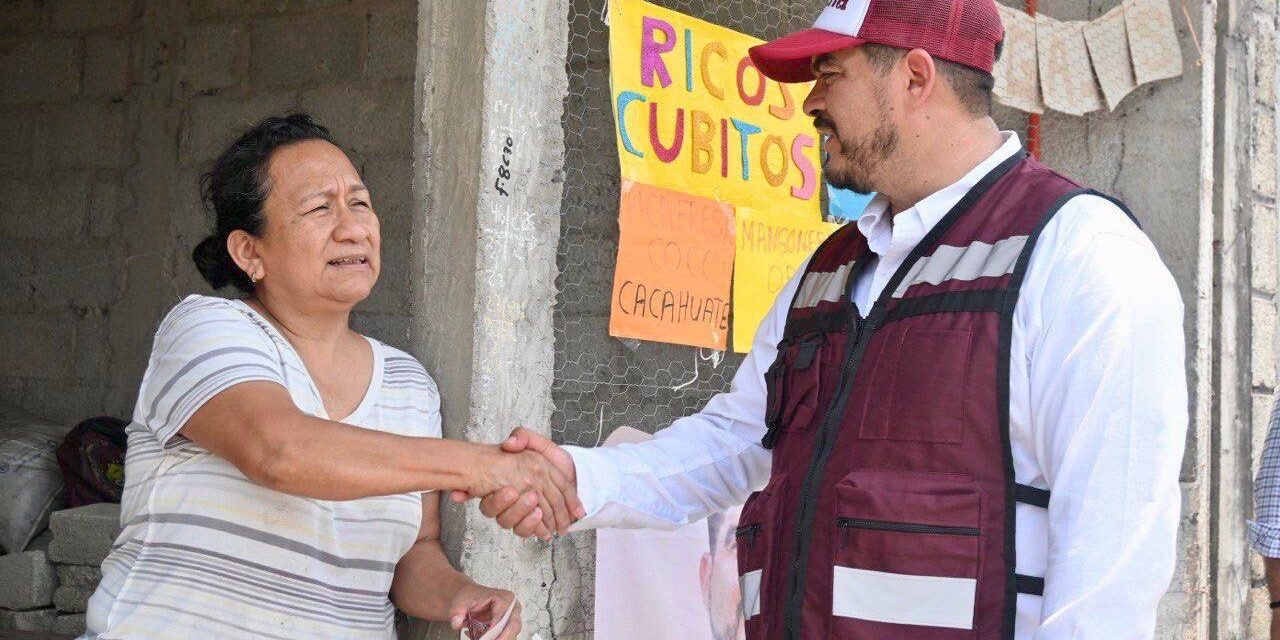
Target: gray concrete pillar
[{"x": 489, "y": 152}]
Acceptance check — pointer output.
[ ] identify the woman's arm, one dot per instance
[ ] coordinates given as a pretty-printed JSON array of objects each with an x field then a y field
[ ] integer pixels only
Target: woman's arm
[
  {"x": 426, "y": 586},
  {"x": 255, "y": 426}
]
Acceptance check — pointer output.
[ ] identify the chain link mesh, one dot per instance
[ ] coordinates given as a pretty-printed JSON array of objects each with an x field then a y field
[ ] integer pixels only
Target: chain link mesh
[{"x": 602, "y": 382}]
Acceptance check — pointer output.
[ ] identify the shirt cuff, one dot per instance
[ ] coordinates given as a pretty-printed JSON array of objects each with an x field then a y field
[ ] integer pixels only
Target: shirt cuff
[
  {"x": 597, "y": 479},
  {"x": 1264, "y": 538}
]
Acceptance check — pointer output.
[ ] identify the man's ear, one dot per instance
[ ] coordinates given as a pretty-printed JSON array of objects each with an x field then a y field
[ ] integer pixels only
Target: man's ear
[{"x": 922, "y": 75}]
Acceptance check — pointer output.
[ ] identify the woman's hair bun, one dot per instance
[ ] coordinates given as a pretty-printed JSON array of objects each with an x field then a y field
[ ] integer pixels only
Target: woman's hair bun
[{"x": 213, "y": 261}]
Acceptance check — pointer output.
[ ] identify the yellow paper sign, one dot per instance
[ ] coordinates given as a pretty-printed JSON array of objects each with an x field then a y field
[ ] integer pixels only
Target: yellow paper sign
[
  {"x": 770, "y": 248},
  {"x": 675, "y": 259},
  {"x": 693, "y": 114}
]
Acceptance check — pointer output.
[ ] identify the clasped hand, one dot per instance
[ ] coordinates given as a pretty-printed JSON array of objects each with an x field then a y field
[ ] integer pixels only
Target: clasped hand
[{"x": 529, "y": 487}]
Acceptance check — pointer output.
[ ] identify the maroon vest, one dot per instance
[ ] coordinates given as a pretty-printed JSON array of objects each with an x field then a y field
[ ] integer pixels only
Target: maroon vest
[{"x": 890, "y": 511}]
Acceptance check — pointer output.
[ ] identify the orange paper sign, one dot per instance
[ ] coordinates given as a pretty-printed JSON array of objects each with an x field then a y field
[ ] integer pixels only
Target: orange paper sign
[{"x": 675, "y": 265}]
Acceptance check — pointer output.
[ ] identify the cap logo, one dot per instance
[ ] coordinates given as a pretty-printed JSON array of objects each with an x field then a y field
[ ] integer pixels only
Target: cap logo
[{"x": 843, "y": 16}]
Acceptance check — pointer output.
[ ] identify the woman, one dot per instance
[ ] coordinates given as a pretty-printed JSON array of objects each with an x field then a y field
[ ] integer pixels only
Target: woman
[{"x": 283, "y": 471}]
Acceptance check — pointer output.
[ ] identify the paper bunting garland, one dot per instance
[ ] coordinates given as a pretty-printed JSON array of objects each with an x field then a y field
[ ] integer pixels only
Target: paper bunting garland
[
  {"x": 1108, "y": 42},
  {"x": 1066, "y": 79},
  {"x": 1080, "y": 67},
  {"x": 1017, "y": 76},
  {"x": 1152, "y": 40}
]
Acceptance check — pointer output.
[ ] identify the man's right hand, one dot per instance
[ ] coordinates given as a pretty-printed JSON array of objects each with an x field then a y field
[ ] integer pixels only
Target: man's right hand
[{"x": 515, "y": 511}]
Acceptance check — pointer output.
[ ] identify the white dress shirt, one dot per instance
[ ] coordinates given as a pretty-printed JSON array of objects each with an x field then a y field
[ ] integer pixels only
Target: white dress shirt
[{"x": 1098, "y": 415}]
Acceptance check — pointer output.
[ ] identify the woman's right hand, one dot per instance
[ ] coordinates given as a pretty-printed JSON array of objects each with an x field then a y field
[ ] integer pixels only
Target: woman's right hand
[{"x": 530, "y": 474}]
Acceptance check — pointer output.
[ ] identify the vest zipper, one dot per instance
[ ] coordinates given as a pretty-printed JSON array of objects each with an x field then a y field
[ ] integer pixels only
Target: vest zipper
[
  {"x": 905, "y": 527},
  {"x": 808, "y": 493},
  {"x": 749, "y": 531}
]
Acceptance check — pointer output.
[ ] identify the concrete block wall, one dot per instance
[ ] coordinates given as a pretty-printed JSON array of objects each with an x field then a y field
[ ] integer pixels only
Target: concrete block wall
[
  {"x": 1264, "y": 273},
  {"x": 65, "y": 122},
  {"x": 111, "y": 111}
]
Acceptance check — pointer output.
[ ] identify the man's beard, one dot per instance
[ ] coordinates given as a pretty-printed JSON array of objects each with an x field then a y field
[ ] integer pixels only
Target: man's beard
[{"x": 861, "y": 157}]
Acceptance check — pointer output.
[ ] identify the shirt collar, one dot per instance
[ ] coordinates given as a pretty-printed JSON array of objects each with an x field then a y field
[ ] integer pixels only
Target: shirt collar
[{"x": 886, "y": 233}]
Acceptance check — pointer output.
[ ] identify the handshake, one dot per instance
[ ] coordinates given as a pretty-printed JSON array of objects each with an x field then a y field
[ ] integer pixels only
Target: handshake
[{"x": 529, "y": 486}]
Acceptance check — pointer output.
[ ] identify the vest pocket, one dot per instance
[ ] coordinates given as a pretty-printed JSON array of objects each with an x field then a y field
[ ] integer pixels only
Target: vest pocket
[
  {"x": 793, "y": 384},
  {"x": 918, "y": 385},
  {"x": 756, "y": 536},
  {"x": 907, "y": 558}
]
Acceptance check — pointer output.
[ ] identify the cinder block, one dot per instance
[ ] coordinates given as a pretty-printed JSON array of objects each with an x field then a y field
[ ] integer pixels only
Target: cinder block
[
  {"x": 39, "y": 71},
  {"x": 32, "y": 346},
  {"x": 1264, "y": 152},
  {"x": 83, "y": 535},
  {"x": 215, "y": 121},
  {"x": 76, "y": 272},
  {"x": 108, "y": 202},
  {"x": 92, "y": 346},
  {"x": 1261, "y": 408},
  {"x": 217, "y": 56},
  {"x": 87, "y": 135},
  {"x": 88, "y": 15},
  {"x": 369, "y": 121},
  {"x": 72, "y": 599},
  {"x": 18, "y": 137},
  {"x": 1263, "y": 357},
  {"x": 106, "y": 66},
  {"x": 69, "y": 624},
  {"x": 67, "y": 399},
  {"x": 1264, "y": 60},
  {"x": 36, "y": 620},
  {"x": 286, "y": 52},
  {"x": 78, "y": 576},
  {"x": 393, "y": 44},
  {"x": 312, "y": 5},
  {"x": 1264, "y": 242},
  {"x": 61, "y": 203},
  {"x": 27, "y": 580},
  {"x": 17, "y": 261},
  {"x": 221, "y": 9},
  {"x": 23, "y": 16}
]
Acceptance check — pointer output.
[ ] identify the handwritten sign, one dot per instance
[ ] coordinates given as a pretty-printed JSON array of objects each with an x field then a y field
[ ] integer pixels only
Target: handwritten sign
[
  {"x": 693, "y": 114},
  {"x": 771, "y": 246},
  {"x": 675, "y": 262}
]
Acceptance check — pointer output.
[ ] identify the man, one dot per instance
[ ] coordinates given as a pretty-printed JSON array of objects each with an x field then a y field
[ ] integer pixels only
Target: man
[
  {"x": 719, "y": 573},
  {"x": 1264, "y": 529},
  {"x": 966, "y": 414}
]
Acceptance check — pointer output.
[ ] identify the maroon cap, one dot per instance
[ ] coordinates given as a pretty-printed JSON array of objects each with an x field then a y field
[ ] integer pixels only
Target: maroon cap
[{"x": 961, "y": 31}]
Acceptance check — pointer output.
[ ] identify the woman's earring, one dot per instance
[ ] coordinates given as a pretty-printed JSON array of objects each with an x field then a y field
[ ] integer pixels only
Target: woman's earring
[{"x": 255, "y": 278}]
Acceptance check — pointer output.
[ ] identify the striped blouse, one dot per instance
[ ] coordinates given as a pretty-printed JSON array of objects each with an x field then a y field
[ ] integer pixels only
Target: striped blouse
[{"x": 206, "y": 553}]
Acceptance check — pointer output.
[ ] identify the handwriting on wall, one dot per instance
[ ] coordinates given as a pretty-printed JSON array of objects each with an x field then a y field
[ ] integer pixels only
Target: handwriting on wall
[
  {"x": 504, "y": 169},
  {"x": 675, "y": 262},
  {"x": 771, "y": 246}
]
